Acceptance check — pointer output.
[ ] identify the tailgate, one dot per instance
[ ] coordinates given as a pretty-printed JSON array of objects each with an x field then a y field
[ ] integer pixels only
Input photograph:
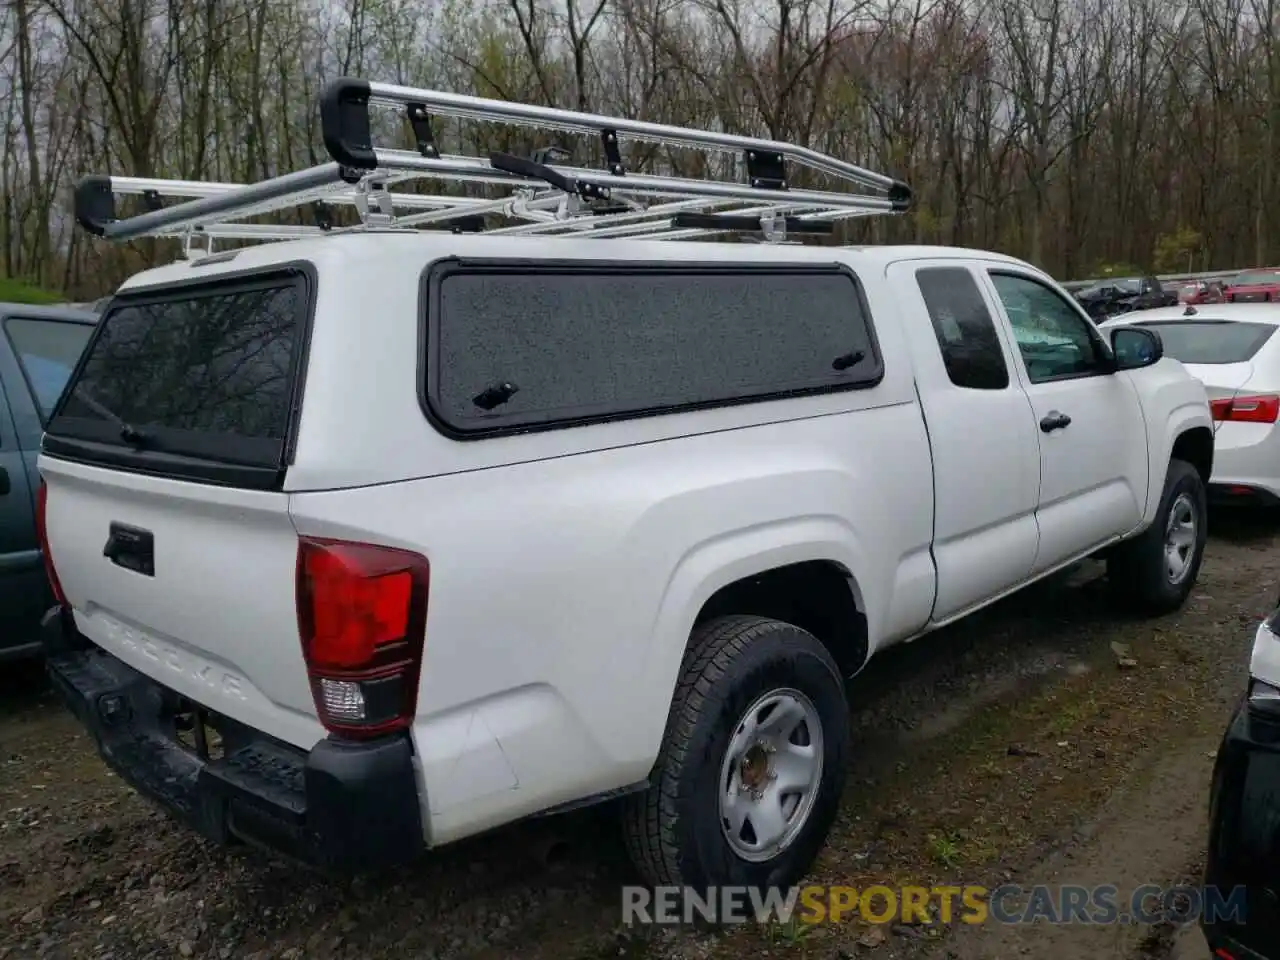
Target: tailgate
[
  {"x": 212, "y": 616},
  {"x": 162, "y": 466}
]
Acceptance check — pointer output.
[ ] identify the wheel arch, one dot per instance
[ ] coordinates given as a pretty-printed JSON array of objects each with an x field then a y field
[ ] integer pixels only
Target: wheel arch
[
  {"x": 748, "y": 572},
  {"x": 1187, "y": 434},
  {"x": 1195, "y": 446},
  {"x": 819, "y": 596}
]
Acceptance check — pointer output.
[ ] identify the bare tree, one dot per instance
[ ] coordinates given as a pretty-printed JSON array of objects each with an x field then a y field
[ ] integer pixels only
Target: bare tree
[{"x": 1080, "y": 134}]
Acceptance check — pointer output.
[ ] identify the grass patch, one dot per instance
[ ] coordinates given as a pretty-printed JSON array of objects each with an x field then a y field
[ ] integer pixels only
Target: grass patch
[
  {"x": 19, "y": 291},
  {"x": 945, "y": 848},
  {"x": 790, "y": 933}
]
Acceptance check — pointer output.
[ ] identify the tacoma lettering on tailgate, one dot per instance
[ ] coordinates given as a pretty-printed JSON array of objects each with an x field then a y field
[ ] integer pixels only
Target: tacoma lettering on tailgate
[{"x": 206, "y": 674}]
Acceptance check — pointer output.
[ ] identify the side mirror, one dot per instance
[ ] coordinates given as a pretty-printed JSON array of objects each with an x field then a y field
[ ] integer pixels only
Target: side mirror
[{"x": 1136, "y": 347}]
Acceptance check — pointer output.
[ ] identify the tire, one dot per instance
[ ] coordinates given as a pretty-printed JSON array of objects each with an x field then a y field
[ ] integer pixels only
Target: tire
[
  {"x": 1139, "y": 571},
  {"x": 674, "y": 830}
]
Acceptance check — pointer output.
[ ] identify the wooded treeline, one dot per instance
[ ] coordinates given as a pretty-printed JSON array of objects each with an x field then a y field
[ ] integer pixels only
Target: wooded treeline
[{"x": 1079, "y": 134}]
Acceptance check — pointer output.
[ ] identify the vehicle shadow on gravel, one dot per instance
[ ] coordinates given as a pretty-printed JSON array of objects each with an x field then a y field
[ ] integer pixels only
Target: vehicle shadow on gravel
[
  {"x": 1244, "y": 525},
  {"x": 928, "y": 685},
  {"x": 23, "y": 686}
]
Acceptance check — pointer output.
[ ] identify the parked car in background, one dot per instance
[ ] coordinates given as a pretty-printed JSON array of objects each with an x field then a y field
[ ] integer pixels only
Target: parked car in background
[
  {"x": 39, "y": 347},
  {"x": 95, "y": 306},
  {"x": 1244, "y": 833},
  {"x": 1254, "y": 286},
  {"x": 1196, "y": 292},
  {"x": 1112, "y": 297},
  {"x": 1233, "y": 350}
]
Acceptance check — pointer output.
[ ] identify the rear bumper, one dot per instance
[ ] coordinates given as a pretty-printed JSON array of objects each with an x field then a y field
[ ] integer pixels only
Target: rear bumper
[
  {"x": 1228, "y": 494},
  {"x": 340, "y": 806},
  {"x": 1244, "y": 837},
  {"x": 1246, "y": 464}
]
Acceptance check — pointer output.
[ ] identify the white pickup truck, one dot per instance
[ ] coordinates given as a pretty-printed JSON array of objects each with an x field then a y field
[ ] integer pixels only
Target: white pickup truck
[{"x": 368, "y": 542}]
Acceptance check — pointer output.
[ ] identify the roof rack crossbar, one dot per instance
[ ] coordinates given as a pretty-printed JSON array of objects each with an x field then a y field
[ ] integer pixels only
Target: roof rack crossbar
[
  {"x": 546, "y": 194},
  {"x": 196, "y": 189}
]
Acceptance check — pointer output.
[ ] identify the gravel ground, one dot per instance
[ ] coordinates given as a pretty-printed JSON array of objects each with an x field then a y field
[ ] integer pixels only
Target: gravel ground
[{"x": 1016, "y": 746}]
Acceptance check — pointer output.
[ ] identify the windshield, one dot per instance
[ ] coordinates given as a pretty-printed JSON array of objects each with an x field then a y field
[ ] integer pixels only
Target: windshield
[
  {"x": 1211, "y": 341},
  {"x": 1250, "y": 279}
]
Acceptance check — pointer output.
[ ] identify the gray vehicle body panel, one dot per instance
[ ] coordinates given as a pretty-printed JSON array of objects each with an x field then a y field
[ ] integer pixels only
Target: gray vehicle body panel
[{"x": 25, "y": 593}]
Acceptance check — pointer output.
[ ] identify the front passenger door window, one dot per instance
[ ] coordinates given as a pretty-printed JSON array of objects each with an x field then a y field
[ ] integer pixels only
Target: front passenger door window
[{"x": 1054, "y": 339}]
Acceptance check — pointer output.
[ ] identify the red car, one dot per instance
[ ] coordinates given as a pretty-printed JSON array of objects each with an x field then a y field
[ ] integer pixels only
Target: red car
[
  {"x": 1201, "y": 291},
  {"x": 1254, "y": 287}
]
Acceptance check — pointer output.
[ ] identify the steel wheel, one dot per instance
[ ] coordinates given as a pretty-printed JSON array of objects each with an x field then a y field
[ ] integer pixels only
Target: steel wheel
[
  {"x": 770, "y": 774},
  {"x": 1180, "y": 539}
]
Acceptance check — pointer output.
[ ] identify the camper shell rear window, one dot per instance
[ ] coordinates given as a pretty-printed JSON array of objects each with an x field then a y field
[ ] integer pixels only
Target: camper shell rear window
[
  {"x": 520, "y": 346},
  {"x": 195, "y": 380}
]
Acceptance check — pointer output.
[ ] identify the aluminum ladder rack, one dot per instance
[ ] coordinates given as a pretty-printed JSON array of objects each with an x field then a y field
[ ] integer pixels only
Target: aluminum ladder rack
[{"x": 541, "y": 194}]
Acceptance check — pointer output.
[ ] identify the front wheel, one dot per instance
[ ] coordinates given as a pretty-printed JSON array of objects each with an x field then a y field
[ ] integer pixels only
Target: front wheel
[
  {"x": 749, "y": 776},
  {"x": 1156, "y": 571}
]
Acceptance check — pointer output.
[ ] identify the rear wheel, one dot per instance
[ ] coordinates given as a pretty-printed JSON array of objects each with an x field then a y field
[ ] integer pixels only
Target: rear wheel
[
  {"x": 750, "y": 772},
  {"x": 1155, "y": 572}
]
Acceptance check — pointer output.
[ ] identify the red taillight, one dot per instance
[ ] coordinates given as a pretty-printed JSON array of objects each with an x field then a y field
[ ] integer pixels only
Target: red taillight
[
  {"x": 1260, "y": 409},
  {"x": 362, "y": 613},
  {"x": 1223, "y": 954},
  {"x": 42, "y": 538}
]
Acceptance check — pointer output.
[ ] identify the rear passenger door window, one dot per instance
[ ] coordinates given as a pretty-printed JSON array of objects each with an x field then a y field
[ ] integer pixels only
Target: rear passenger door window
[
  {"x": 964, "y": 327},
  {"x": 532, "y": 346}
]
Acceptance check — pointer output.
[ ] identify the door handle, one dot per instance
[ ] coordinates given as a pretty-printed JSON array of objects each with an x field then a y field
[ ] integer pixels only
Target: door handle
[
  {"x": 1054, "y": 421},
  {"x": 131, "y": 548},
  {"x": 4, "y": 482}
]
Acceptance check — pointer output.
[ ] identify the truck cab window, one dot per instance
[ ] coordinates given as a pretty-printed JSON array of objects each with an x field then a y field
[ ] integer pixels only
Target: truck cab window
[
  {"x": 966, "y": 333},
  {"x": 1055, "y": 341}
]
